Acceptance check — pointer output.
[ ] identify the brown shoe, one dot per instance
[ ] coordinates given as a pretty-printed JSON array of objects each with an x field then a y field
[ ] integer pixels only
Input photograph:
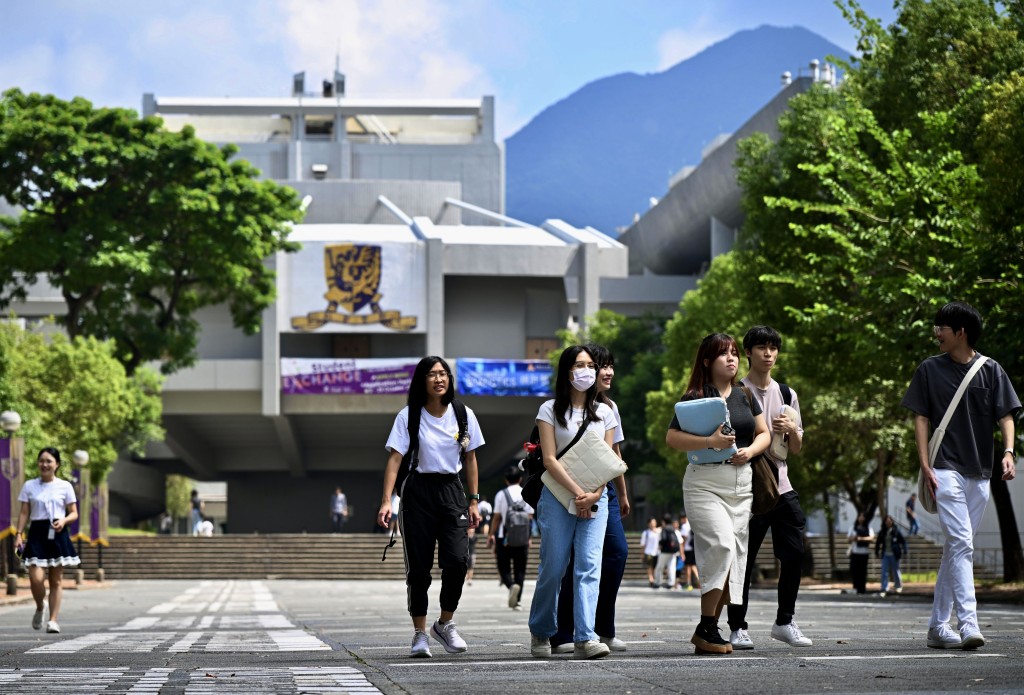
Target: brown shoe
[{"x": 709, "y": 641}]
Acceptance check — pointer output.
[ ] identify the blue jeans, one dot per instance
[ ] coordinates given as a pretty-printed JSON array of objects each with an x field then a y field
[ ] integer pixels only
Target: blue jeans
[
  {"x": 891, "y": 567},
  {"x": 613, "y": 565},
  {"x": 560, "y": 533}
]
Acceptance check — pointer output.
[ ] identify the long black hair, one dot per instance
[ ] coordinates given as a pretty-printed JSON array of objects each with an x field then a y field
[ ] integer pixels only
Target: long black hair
[
  {"x": 418, "y": 385},
  {"x": 563, "y": 387}
]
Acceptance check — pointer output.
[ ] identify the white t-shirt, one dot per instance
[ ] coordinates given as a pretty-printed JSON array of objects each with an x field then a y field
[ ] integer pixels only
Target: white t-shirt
[
  {"x": 439, "y": 452},
  {"x": 501, "y": 504},
  {"x": 47, "y": 501},
  {"x": 650, "y": 538},
  {"x": 688, "y": 544},
  {"x": 564, "y": 435},
  {"x": 619, "y": 436},
  {"x": 771, "y": 402}
]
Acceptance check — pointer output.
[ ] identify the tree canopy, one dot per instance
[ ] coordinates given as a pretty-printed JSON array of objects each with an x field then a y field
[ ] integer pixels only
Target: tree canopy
[{"x": 137, "y": 226}]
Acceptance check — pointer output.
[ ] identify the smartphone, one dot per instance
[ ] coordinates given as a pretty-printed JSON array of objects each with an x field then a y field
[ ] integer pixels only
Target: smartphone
[{"x": 727, "y": 430}]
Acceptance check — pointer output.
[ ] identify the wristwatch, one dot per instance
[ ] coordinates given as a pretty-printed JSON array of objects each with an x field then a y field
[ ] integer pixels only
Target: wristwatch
[{"x": 474, "y": 496}]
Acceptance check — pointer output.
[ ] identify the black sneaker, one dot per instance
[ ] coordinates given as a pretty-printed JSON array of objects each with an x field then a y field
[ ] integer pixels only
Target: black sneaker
[{"x": 707, "y": 640}]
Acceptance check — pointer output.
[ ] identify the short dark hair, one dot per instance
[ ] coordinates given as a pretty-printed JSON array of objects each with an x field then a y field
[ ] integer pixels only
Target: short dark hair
[
  {"x": 762, "y": 335},
  {"x": 959, "y": 315},
  {"x": 513, "y": 474},
  {"x": 52, "y": 451},
  {"x": 667, "y": 518}
]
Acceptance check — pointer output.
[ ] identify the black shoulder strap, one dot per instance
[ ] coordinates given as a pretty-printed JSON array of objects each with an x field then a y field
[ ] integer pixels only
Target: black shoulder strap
[
  {"x": 414, "y": 437},
  {"x": 787, "y": 394},
  {"x": 579, "y": 435},
  {"x": 463, "y": 419}
]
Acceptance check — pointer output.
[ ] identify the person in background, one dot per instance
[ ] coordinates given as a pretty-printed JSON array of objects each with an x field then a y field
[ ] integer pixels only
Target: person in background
[
  {"x": 486, "y": 512},
  {"x": 911, "y": 511},
  {"x": 197, "y": 509},
  {"x": 48, "y": 505},
  {"x": 669, "y": 546},
  {"x": 860, "y": 536},
  {"x": 339, "y": 510},
  {"x": 890, "y": 546},
  {"x": 436, "y": 512},
  {"x": 511, "y": 559},
  {"x": 649, "y": 548},
  {"x": 690, "y": 558}
]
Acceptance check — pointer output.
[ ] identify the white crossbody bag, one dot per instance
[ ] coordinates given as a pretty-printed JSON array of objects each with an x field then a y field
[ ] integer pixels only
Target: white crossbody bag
[{"x": 924, "y": 491}]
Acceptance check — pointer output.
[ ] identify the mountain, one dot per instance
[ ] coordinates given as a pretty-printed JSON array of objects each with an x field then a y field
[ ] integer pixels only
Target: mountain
[{"x": 598, "y": 156}]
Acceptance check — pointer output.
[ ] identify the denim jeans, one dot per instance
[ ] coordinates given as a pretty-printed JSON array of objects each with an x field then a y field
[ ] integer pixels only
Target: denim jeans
[
  {"x": 891, "y": 568},
  {"x": 560, "y": 533}
]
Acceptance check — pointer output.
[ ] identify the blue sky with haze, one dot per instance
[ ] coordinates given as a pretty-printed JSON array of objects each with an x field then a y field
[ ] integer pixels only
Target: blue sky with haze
[{"x": 528, "y": 53}]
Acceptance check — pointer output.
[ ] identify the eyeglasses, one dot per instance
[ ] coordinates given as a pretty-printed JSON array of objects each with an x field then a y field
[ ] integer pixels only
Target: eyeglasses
[
  {"x": 438, "y": 376},
  {"x": 585, "y": 365}
]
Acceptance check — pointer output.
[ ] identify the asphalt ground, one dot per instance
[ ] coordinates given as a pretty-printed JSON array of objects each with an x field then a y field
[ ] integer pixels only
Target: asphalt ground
[{"x": 354, "y": 636}]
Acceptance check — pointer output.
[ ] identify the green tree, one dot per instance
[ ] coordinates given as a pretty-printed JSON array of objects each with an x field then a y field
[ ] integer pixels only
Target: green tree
[
  {"x": 179, "y": 489},
  {"x": 75, "y": 394},
  {"x": 137, "y": 226}
]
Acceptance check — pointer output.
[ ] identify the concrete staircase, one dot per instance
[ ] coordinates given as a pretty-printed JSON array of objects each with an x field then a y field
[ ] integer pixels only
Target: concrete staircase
[{"x": 358, "y": 556}]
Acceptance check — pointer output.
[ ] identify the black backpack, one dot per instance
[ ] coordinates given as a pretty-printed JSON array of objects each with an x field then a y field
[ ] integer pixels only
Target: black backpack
[
  {"x": 669, "y": 542},
  {"x": 412, "y": 456}
]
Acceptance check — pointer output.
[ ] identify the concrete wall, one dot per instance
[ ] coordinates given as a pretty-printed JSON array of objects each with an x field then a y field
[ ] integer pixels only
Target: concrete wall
[{"x": 219, "y": 339}]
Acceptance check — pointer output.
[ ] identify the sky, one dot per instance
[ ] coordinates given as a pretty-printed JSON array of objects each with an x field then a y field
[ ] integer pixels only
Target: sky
[{"x": 528, "y": 54}]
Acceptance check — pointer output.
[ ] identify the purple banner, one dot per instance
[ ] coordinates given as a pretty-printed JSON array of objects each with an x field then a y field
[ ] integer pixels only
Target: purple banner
[
  {"x": 6, "y": 506},
  {"x": 346, "y": 376}
]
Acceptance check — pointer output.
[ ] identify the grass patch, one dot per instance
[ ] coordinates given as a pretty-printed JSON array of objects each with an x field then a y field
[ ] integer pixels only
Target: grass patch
[
  {"x": 120, "y": 531},
  {"x": 919, "y": 577}
]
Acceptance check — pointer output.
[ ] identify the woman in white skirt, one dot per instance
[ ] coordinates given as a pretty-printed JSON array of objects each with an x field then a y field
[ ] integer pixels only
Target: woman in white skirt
[
  {"x": 718, "y": 496},
  {"x": 49, "y": 504}
]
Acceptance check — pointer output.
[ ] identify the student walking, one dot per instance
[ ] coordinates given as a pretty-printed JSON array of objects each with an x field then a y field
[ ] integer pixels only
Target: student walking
[
  {"x": 440, "y": 436},
  {"x": 890, "y": 546},
  {"x": 786, "y": 520},
  {"x": 958, "y": 475},
  {"x": 510, "y": 535},
  {"x": 670, "y": 543},
  {"x": 911, "y": 511},
  {"x": 649, "y": 548},
  {"x": 718, "y": 496},
  {"x": 574, "y": 408},
  {"x": 616, "y": 549},
  {"x": 48, "y": 504},
  {"x": 860, "y": 536}
]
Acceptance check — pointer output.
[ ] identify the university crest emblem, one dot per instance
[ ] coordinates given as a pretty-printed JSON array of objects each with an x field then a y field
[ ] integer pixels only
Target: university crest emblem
[{"x": 353, "y": 273}]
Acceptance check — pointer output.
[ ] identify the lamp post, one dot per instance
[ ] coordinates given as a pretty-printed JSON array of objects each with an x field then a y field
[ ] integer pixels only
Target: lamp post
[
  {"x": 80, "y": 459},
  {"x": 10, "y": 422}
]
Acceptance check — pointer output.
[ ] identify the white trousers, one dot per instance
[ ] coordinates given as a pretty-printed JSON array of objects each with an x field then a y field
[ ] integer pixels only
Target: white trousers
[
  {"x": 961, "y": 503},
  {"x": 666, "y": 563}
]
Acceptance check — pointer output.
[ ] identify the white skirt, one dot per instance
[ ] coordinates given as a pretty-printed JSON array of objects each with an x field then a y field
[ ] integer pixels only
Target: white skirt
[{"x": 718, "y": 499}]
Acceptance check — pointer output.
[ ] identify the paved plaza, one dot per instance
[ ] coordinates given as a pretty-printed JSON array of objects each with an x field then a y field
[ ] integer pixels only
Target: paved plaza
[{"x": 350, "y": 636}]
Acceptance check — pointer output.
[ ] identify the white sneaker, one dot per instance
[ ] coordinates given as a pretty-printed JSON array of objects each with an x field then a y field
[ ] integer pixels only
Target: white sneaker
[
  {"x": 740, "y": 639},
  {"x": 614, "y": 643},
  {"x": 971, "y": 639},
  {"x": 420, "y": 646},
  {"x": 513, "y": 595},
  {"x": 52, "y": 626},
  {"x": 791, "y": 635},
  {"x": 37, "y": 618},
  {"x": 448, "y": 636},
  {"x": 943, "y": 637},
  {"x": 565, "y": 648},
  {"x": 540, "y": 647},
  {"x": 590, "y": 649}
]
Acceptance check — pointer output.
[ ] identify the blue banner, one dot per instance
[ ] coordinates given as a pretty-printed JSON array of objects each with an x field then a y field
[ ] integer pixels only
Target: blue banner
[{"x": 480, "y": 377}]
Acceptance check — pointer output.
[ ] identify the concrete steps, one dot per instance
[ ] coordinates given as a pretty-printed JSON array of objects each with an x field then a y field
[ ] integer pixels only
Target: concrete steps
[{"x": 358, "y": 556}]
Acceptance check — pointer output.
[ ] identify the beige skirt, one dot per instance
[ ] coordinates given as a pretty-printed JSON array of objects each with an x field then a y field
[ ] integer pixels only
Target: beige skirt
[{"x": 718, "y": 499}]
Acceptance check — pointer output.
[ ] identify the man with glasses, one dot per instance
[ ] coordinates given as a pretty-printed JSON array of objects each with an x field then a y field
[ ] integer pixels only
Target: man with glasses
[{"x": 959, "y": 476}]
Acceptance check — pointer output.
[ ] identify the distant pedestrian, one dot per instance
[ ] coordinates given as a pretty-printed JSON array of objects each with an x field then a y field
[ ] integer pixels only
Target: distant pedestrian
[
  {"x": 509, "y": 539},
  {"x": 197, "y": 507},
  {"x": 435, "y": 509},
  {"x": 960, "y": 473},
  {"x": 649, "y": 547},
  {"x": 689, "y": 557},
  {"x": 860, "y": 536},
  {"x": 890, "y": 546},
  {"x": 486, "y": 512},
  {"x": 669, "y": 546},
  {"x": 339, "y": 510},
  {"x": 48, "y": 504},
  {"x": 911, "y": 511}
]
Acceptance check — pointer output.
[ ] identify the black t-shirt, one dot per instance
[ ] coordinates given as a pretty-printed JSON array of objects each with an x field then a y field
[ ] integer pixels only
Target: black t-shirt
[
  {"x": 741, "y": 416},
  {"x": 968, "y": 444}
]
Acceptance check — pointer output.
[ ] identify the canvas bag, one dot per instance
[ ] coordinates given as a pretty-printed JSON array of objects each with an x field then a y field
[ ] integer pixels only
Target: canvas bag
[
  {"x": 591, "y": 463},
  {"x": 924, "y": 491}
]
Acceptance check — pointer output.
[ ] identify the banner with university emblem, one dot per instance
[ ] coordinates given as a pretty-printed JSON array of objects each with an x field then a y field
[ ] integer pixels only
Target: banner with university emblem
[
  {"x": 480, "y": 377},
  {"x": 357, "y": 287},
  {"x": 12, "y": 478}
]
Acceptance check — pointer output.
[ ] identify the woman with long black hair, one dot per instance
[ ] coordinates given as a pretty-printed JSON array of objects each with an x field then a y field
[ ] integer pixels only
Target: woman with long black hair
[
  {"x": 441, "y": 437},
  {"x": 718, "y": 496}
]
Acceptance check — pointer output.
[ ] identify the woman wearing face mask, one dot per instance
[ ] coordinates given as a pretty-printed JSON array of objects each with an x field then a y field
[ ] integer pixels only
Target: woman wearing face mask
[
  {"x": 49, "y": 504},
  {"x": 558, "y": 421},
  {"x": 718, "y": 496},
  {"x": 616, "y": 549}
]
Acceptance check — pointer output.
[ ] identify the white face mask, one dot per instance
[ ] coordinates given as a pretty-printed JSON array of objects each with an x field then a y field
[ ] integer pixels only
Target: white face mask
[{"x": 583, "y": 379}]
